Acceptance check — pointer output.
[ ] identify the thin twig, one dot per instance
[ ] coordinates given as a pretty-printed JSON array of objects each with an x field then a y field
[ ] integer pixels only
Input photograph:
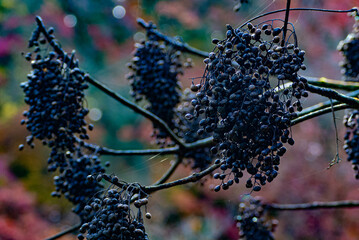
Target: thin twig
[
  {"x": 50, "y": 39},
  {"x": 313, "y": 205},
  {"x": 319, "y": 112},
  {"x": 300, "y": 9},
  {"x": 139, "y": 152},
  {"x": 325, "y": 104},
  {"x": 286, "y": 22},
  {"x": 192, "y": 178},
  {"x": 206, "y": 142},
  {"x": 336, "y": 159},
  {"x": 330, "y": 93},
  {"x": 66, "y": 231},
  {"x": 332, "y": 83},
  {"x": 156, "y": 120},
  {"x": 325, "y": 82},
  {"x": 184, "y": 47},
  {"x": 156, "y": 187},
  {"x": 119, "y": 184},
  {"x": 170, "y": 171}
]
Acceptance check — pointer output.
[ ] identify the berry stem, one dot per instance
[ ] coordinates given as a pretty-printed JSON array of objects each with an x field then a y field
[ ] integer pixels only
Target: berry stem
[
  {"x": 184, "y": 47},
  {"x": 285, "y": 22},
  {"x": 313, "y": 205},
  {"x": 50, "y": 40},
  {"x": 66, "y": 231}
]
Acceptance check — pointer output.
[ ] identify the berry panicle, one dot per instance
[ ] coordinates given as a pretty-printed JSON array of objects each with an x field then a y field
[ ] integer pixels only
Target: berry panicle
[
  {"x": 245, "y": 105},
  {"x": 155, "y": 68}
]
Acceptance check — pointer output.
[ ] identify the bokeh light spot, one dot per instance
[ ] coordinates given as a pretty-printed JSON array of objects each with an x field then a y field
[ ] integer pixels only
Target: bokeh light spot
[
  {"x": 70, "y": 20},
  {"x": 95, "y": 114},
  {"x": 139, "y": 36},
  {"x": 119, "y": 12}
]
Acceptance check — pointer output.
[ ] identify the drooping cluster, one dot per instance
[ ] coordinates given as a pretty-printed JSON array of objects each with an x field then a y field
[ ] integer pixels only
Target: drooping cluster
[
  {"x": 349, "y": 47},
  {"x": 154, "y": 78},
  {"x": 351, "y": 139},
  {"x": 186, "y": 127},
  {"x": 77, "y": 181},
  {"x": 246, "y": 106},
  {"x": 113, "y": 217},
  {"x": 254, "y": 222},
  {"x": 54, "y": 91}
]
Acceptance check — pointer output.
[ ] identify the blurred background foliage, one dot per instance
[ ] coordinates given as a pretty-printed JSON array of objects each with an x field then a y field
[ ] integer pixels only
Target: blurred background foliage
[{"x": 103, "y": 34}]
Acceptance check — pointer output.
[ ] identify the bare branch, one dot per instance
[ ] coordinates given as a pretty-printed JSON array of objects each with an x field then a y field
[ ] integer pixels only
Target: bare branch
[
  {"x": 330, "y": 93},
  {"x": 156, "y": 120},
  {"x": 313, "y": 205},
  {"x": 192, "y": 178},
  {"x": 66, "y": 231},
  {"x": 184, "y": 47},
  {"x": 286, "y": 22},
  {"x": 170, "y": 171},
  {"x": 333, "y": 83},
  {"x": 206, "y": 142},
  {"x": 315, "y": 113},
  {"x": 113, "y": 152}
]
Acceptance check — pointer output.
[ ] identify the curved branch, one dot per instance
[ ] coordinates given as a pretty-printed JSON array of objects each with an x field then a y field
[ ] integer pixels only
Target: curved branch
[
  {"x": 156, "y": 120},
  {"x": 332, "y": 94},
  {"x": 184, "y": 47},
  {"x": 53, "y": 44},
  {"x": 140, "y": 152},
  {"x": 319, "y": 112},
  {"x": 66, "y": 231},
  {"x": 192, "y": 178},
  {"x": 332, "y": 83},
  {"x": 301, "y": 9},
  {"x": 206, "y": 142},
  {"x": 325, "y": 104},
  {"x": 170, "y": 171},
  {"x": 313, "y": 205}
]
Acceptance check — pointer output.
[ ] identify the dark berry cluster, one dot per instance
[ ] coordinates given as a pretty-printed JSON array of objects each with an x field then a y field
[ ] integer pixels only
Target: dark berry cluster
[
  {"x": 254, "y": 222},
  {"x": 349, "y": 47},
  {"x": 54, "y": 90},
  {"x": 154, "y": 77},
  {"x": 351, "y": 139},
  {"x": 187, "y": 127},
  {"x": 245, "y": 104},
  {"x": 113, "y": 217},
  {"x": 76, "y": 182}
]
